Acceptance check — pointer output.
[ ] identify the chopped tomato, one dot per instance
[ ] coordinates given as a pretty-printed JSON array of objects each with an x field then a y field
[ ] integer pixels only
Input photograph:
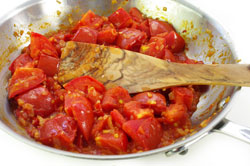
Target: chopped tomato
[
  {"x": 117, "y": 118},
  {"x": 135, "y": 25},
  {"x": 169, "y": 56},
  {"x": 114, "y": 140},
  {"x": 120, "y": 18},
  {"x": 23, "y": 60},
  {"x": 97, "y": 110},
  {"x": 175, "y": 42},
  {"x": 25, "y": 79},
  {"x": 107, "y": 35},
  {"x": 130, "y": 39},
  {"x": 152, "y": 100},
  {"x": 155, "y": 48},
  {"x": 48, "y": 64},
  {"x": 38, "y": 100},
  {"x": 39, "y": 44},
  {"x": 99, "y": 125},
  {"x": 134, "y": 110},
  {"x": 91, "y": 20},
  {"x": 59, "y": 40},
  {"x": 136, "y": 15},
  {"x": 181, "y": 95},
  {"x": 115, "y": 98},
  {"x": 79, "y": 107},
  {"x": 83, "y": 83},
  {"x": 145, "y": 132},
  {"x": 86, "y": 35},
  {"x": 191, "y": 61},
  {"x": 58, "y": 131},
  {"x": 144, "y": 26},
  {"x": 175, "y": 113},
  {"x": 157, "y": 27}
]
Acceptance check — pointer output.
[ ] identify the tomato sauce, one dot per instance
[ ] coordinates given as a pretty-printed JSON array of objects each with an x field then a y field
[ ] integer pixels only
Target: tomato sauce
[{"x": 85, "y": 117}]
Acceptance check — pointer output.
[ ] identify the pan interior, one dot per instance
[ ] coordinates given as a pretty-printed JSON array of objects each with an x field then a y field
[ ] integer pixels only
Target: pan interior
[{"x": 205, "y": 39}]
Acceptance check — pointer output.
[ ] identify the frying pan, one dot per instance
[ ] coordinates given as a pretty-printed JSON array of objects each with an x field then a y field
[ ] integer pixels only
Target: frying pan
[{"x": 206, "y": 40}]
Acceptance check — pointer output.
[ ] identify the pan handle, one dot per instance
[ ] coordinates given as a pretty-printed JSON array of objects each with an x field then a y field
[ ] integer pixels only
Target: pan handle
[{"x": 233, "y": 129}]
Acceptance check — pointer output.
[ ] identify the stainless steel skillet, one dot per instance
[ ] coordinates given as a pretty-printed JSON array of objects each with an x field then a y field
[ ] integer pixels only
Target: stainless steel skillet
[{"x": 206, "y": 39}]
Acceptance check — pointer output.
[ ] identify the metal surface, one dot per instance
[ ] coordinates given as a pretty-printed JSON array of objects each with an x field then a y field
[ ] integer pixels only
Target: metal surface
[
  {"x": 206, "y": 40},
  {"x": 233, "y": 129}
]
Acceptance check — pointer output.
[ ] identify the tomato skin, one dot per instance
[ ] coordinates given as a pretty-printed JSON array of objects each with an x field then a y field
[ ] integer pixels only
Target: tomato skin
[
  {"x": 157, "y": 27},
  {"x": 136, "y": 15},
  {"x": 130, "y": 38},
  {"x": 115, "y": 98},
  {"x": 23, "y": 60},
  {"x": 48, "y": 64},
  {"x": 79, "y": 107},
  {"x": 107, "y": 36},
  {"x": 25, "y": 79},
  {"x": 58, "y": 131},
  {"x": 83, "y": 83},
  {"x": 38, "y": 100},
  {"x": 134, "y": 110},
  {"x": 175, "y": 113},
  {"x": 182, "y": 95},
  {"x": 152, "y": 100},
  {"x": 155, "y": 48},
  {"x": 99, "y": 125},
  {"x": 39, "y": 44},
  {"x": 175, "y": 43},
  {"x": 86, "y": 35},
  {"x": 114, "y": 140},
  {"x": 91, "y": 20},
  {"x": 169, "y": 56},
  {"x": 117, "y": 118},
  {"x": 144, "y": 26},
  {"x": 120, "y": 18},
  {"x": 145, "y": 132}
]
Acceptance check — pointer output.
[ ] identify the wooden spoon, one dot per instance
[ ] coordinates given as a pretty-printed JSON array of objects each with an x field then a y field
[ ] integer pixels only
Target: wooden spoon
[{"x": 138, "y": 72}]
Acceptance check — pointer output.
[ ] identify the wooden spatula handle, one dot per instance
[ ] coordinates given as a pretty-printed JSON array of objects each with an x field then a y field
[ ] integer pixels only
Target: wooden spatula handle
[{"x": 137, "y": 72}]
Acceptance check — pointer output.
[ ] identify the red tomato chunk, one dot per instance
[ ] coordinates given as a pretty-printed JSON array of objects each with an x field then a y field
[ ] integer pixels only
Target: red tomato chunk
[
  {"x": 58, "y": 131},
  {"x": 82, "y": 115},
  {"x": 38, "y": 100}
]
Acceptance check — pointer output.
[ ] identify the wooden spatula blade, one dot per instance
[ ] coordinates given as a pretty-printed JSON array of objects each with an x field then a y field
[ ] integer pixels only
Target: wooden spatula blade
[{"x": 138, "y": 72}]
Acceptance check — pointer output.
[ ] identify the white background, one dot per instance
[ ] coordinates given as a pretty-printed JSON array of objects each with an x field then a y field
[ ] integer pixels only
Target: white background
[{"x": 215, "y": 149}]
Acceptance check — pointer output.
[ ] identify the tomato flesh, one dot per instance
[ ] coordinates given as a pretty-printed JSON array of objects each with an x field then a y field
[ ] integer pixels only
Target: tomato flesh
[
  {"x": 136, "y": 15},
  {"x": 113, "y": 140},
  {"x": 39, "y": 44},
  {"x": 86, "y": 35},
  {"x": 145, "y": 132},
  {"x": 118, "y": 118},
  {"x": 155, "y": 48},
  {"x": 175, "y": 42},
  {"x": 130, "y": 38},
  {"x": 182, "y": 95},
  {"x": 59, "y": 131},
  {"x": 25, "y": 79},
  {"x": 83, "y": 83},
  {"x": 48, "y": 64},
  {"x": 115, "y": 98},
  {"x": 134, "y": 110},
  {"x": 120, "y": 19},
  {"x": 107, "y": 36},
  {"x": 79, "y": 107},
  {"x": 23, "y": 60},
  {"x": 152, "y": 100},
  {"x": 157, "y": 27},
  {"x": 38, "y": 100}
]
